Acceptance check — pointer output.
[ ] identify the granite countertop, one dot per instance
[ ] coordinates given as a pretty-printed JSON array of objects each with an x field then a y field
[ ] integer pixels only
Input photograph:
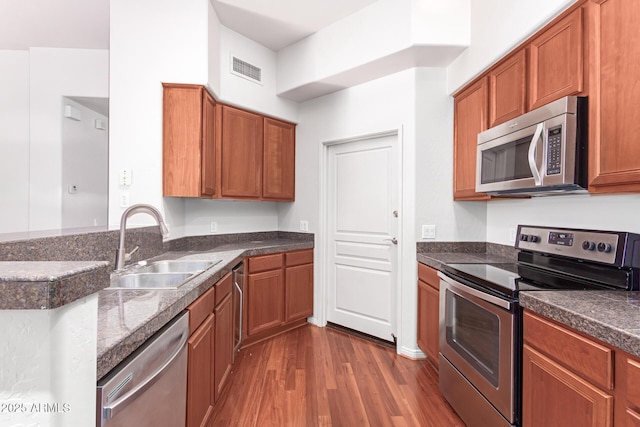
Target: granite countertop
[
  {"x": 610, "y": 316},
  {"x": 46, "y": 285},
  {"x": 128, "y": 317}
]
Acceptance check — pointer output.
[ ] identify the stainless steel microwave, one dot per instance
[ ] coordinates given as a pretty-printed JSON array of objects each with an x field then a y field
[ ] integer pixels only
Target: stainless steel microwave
[{"x": 541, "y": 152}]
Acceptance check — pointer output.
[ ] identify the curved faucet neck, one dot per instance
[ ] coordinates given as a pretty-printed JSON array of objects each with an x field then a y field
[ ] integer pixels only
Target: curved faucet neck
[{"x": 121, "y": 255}]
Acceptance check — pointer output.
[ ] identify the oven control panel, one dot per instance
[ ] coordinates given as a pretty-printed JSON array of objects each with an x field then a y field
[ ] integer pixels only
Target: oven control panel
[{"x": 600, "y": 246}]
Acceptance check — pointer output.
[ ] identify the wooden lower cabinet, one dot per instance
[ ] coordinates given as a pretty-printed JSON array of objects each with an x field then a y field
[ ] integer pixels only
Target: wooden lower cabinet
[
  {"x": 428, "y": 312},
  {"x": 209, "y": 351},
  {"x": 200, "y": 381},
  {"x": 223, "y": 336},
  {"x": 570, "y": 378},
  {"x": 279, "y": 293}
]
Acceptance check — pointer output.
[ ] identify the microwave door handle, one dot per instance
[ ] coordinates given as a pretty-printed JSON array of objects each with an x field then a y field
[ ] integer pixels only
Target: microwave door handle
[{"x": 537, "y": 178}]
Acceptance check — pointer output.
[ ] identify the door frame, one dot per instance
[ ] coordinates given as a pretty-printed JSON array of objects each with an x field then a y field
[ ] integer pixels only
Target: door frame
[{"x": 323, "y": 239}]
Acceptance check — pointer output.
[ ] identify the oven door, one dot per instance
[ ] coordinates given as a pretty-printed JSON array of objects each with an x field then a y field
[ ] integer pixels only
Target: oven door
[{"x": 477, "y": 337}]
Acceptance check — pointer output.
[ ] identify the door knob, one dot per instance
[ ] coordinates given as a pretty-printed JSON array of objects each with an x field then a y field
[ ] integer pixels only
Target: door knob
[{"x": 392, "y": 240}]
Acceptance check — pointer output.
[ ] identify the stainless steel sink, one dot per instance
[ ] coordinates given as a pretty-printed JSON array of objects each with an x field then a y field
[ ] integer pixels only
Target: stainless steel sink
[
  {"x": 149, "y": 280},
  {"x": 177, "y": 266}
]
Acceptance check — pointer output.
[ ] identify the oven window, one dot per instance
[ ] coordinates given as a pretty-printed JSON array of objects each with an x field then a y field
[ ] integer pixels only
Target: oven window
[
  {"x": 506, "y": 162},
  {"x": 474, "y": 333}
]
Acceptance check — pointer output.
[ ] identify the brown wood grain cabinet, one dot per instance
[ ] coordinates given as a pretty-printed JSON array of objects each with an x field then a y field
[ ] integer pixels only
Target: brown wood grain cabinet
[
  {"x": 200, "y": 360},
  {"x": 279, "y": 294},
  {"x": 189, "y": 127},
  {"x": 508, "y": 89},
  {"x": 570, "y": 378},
  {"x": 241, "y": 153},
  {"x": 470, "y": 118},
  {"x": 298, "y": 285},
  {"x": 556, "y": 61},
  {"x": 614, "y": 96},
  {"x": 223, "y": 336},
  {"x": 218, "y": 151},
  {"x": 278, "y": 161},
  {"x": 428, "y": 312}
]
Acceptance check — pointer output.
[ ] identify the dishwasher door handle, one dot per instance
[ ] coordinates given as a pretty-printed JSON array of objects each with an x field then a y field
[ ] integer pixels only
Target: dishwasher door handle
[
  {"x": 111, "y": 410},
  {"x": 240, "y": 315}
]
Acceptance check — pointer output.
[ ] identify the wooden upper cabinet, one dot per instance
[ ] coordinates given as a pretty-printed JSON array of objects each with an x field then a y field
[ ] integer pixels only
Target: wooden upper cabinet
[
  {"x": 470, "y": 118},
  {"x": 556, "y": 61},
  {"x": 614, "y": 100},
  {"x": 278, "y": 177},
  {"x": 507, "y": 89},
  {"x": 241, "y": 154},
  {"x": 188, "y": 136}
]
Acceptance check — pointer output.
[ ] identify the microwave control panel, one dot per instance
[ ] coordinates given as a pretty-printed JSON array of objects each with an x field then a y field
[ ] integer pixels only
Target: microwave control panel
[{"x": 554, "y": 151}]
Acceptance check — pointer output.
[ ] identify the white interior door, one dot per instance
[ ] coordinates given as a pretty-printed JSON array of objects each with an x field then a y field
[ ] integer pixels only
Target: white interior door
[{"x": 362, "y": 203}]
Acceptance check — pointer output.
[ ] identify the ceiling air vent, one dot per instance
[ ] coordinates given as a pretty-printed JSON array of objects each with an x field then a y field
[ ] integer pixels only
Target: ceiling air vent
[{"x": 244, "y": 69}]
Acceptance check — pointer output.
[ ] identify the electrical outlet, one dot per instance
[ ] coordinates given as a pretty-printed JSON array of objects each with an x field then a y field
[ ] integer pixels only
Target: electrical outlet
[
  {"x": 304, "y": 225},
  {"x": 126, "y": 177},
  {"x": 428, "y": 231},
  {"x": 213, "y": 227},
  {"x": 124, "y": 199}
]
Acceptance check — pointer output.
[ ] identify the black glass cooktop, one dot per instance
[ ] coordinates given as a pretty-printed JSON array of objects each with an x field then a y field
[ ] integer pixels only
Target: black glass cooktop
[{"x": 508, "y": 279}]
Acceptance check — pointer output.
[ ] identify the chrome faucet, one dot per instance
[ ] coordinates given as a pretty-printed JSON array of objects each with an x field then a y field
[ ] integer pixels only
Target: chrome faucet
[{"x": 121, "y": 255}]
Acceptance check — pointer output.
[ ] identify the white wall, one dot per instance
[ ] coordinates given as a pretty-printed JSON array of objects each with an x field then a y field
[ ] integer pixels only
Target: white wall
[
  {"x": 214, "y": 29},
  {"x": 230, "y": 216},
  {"x": 415, "y": 103},
  {"x": 245, "y": 93},
  {"x": 496, "y": 27},
  {"x": 150, "y": 42},
  {"x": 14, "y": 140},
  {"x": 85, "y": 154},
  {"x": 55, "y": 73}
]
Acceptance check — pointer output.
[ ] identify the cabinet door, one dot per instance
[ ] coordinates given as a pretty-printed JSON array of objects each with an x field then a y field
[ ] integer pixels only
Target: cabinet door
[
  {"x": 223, "y": 357},
  {"x": 200, "y": 385},
  {"x": 208, "y": 145},
  {"x": 241, "y": 154},
  {"x": 470, "y": 118},
  {"x": 279, "y": 158},
  {"x": 614, "y": 100},
  {"x": 265, "y": 301},
  {"x": 507, "y": 89},
  {"x": 298, "y": 292},
  {"x": 181, "y": 140},
  {"x": 556, "y": 61},
  {"x": 554, "y": 396},
  {"x": 423, "y": 313}
]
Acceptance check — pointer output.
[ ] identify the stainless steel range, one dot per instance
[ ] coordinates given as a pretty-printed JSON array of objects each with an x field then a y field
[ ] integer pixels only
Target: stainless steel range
[{"x": 481, "y": 320}]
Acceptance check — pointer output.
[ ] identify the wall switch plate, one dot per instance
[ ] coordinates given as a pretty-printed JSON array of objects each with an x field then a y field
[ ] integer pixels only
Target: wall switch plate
[
  {"x": 428, "y": 231},
  {"x": 304, "y": 225},
  {"x": 126, "y": 177},
  {"x": 213, "y": 227},
  {"x": 72, "y": 188}
]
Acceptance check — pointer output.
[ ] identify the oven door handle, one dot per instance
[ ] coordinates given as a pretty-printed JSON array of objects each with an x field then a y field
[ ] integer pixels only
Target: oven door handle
[
  {"x": 464, "y": 290},
  {"x": 537, "y": 178}
]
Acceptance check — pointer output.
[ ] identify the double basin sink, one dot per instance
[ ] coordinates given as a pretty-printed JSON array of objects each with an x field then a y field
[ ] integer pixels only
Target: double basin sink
[{"x": 168, "y": 274}]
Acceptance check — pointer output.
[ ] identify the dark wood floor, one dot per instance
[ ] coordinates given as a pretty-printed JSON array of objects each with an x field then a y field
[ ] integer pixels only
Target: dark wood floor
[{"x": 321, "y": 377}]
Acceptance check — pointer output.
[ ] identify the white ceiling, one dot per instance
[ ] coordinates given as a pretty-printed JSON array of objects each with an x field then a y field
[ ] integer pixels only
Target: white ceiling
[
  {"x": 84, "y": 24},
  {"x": 279, "y": 23},
  {"x": 81, "y": 24}
]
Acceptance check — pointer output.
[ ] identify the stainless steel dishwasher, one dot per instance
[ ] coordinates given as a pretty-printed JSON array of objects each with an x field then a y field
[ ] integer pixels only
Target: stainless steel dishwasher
[{"x": 149, "y": 388}]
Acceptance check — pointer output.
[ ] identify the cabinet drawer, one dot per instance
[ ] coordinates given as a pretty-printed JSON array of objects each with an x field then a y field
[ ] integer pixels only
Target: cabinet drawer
[
  {"x": 265, "y": 262},
  {"x": 587, "y": 358},
  {"x": 201, "y": 308},
  {"x": 299, "y": 257},
  {"x": 223, "y": 288},
  {"x": 429, "y": 276},
  {"x": 633, "y": 379}
]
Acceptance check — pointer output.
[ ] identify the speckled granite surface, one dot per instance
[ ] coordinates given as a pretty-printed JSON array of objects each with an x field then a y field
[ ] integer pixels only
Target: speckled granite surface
[
  {"x": 610, "y": 316},
  {"x": 44, "y": 285},
  {"x": 437, "y": 253},
  {"x": 126, "y": 318}
]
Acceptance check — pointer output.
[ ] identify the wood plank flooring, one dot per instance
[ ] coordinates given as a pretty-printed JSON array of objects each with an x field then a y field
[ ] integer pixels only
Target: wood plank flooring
[{"x": 321, "y": 377}]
